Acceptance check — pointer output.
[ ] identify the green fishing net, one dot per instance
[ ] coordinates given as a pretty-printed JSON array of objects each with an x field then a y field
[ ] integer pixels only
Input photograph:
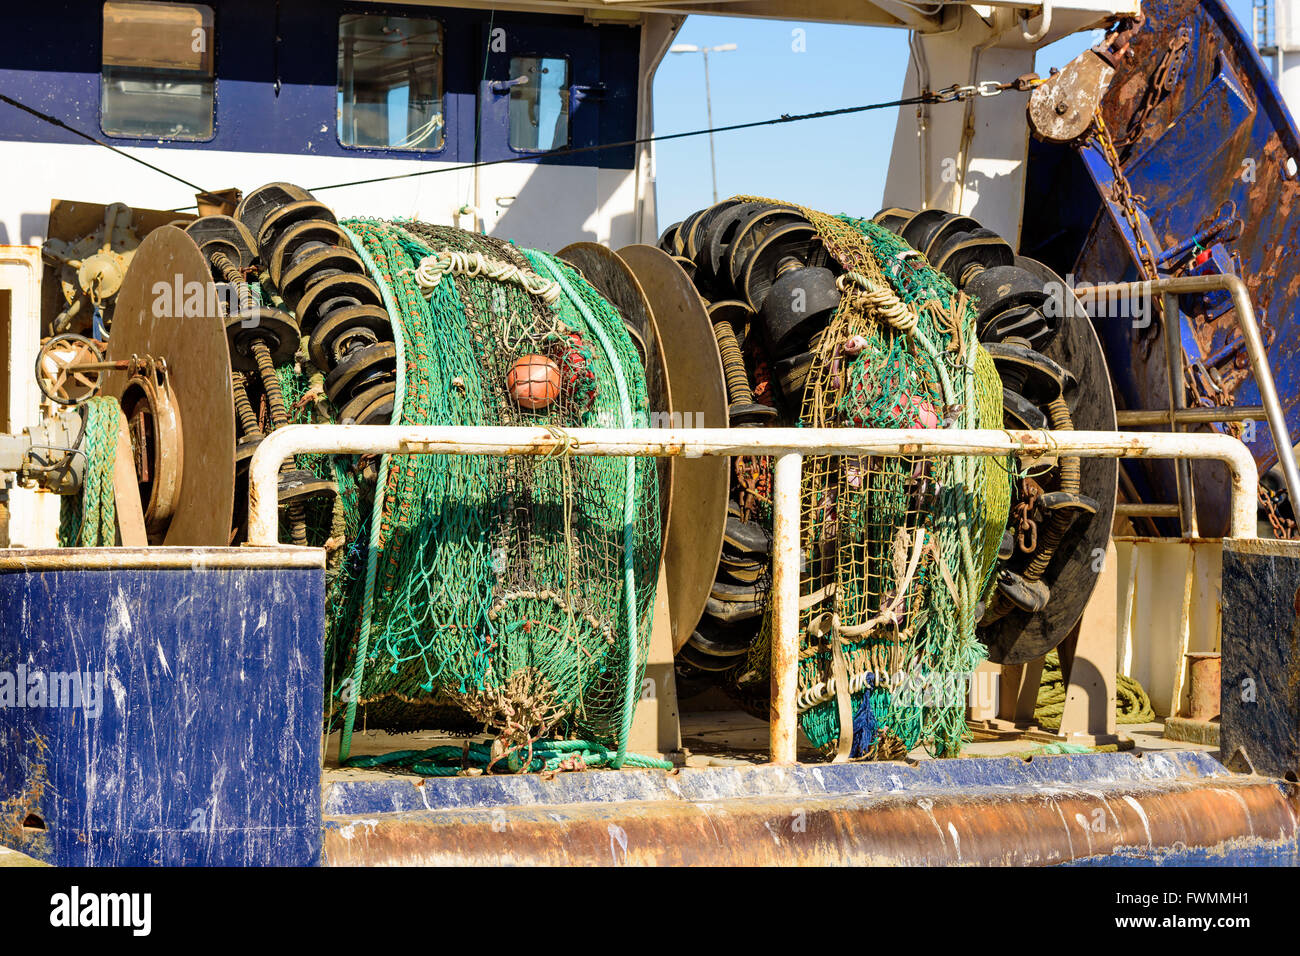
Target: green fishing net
[{"x": 466, "y": 590}]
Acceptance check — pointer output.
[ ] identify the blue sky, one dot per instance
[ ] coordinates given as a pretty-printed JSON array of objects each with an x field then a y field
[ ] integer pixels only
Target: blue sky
[{"x": 836, "y": 164}]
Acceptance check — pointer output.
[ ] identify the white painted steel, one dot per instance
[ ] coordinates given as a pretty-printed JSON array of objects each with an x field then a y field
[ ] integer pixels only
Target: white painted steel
[{"x": 788, "y": 445}]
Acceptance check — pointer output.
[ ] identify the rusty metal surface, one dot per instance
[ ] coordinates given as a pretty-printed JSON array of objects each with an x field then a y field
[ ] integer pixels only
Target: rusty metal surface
[
  {"x": 698, "y": 515},
  {"x": 1062, "y": 107},
  {"x": 193, "y": 344},
  {"x": 14, "y": 560},
  {"x": 1215, "y": 145},
  {"x": 1222, "y": 819}
]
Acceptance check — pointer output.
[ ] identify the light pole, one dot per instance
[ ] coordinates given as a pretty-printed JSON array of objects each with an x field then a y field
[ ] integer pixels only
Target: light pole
[{"x": 708, "y": 99}]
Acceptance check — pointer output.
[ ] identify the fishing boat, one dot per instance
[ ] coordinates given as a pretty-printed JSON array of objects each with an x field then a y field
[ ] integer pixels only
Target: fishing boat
[{"x": 384, "y": 484}]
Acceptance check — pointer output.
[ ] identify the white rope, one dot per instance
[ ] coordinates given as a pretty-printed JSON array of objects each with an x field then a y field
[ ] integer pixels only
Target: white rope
[
  {"x": 878, "y": 299},
  {"x": 474, "y": 264}
]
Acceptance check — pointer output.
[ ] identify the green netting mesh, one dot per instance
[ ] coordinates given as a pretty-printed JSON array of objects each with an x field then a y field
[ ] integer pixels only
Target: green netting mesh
[
  {"x": 498, "y": 587},
  {"x": 898, "y": 552}
]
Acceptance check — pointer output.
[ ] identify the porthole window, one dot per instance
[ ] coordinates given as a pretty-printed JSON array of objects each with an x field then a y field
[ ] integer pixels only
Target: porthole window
[
  {"x": 390, "y": 93},
  {"x": 157, "y": 76},
  {"x": 539, "y": 103}
]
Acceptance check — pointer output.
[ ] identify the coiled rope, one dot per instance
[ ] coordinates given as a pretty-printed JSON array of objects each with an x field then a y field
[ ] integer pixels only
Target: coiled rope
[
  {"x": 89, "y": 520},
  {"x": 476, "y": 265}
]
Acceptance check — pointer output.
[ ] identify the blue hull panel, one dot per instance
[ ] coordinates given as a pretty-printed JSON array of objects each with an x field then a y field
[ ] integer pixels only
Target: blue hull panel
[{"x": 180, "y": 717}]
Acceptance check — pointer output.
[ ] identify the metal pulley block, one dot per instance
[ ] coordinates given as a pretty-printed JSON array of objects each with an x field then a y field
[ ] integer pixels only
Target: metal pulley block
[{"x": 1062, "y": 107}]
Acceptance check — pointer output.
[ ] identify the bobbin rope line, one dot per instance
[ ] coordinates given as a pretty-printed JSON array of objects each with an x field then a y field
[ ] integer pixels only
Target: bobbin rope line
[{"x": 475, "y": 265}]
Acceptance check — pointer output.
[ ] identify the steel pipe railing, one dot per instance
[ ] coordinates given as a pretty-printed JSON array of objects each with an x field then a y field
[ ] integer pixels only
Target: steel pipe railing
[
  {"x": 1251, "y": 339},
  {"x": 787, "y": 445}
]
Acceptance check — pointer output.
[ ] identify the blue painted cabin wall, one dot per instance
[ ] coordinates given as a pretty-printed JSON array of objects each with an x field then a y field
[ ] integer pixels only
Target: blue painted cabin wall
[
  {"x": 275, "y": 97},
  {"x": 207, "y": 747}
]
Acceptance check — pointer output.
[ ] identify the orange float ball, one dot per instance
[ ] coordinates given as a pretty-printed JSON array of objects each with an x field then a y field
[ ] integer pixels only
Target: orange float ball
[{"x": 534, "y": 381}]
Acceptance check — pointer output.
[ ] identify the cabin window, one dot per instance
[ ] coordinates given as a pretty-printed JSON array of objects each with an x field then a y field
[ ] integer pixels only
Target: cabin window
[
  {"x": 539, "y": 103},
  {"x": 157, "y": 77},
  {"x": 390, "y": 82}
]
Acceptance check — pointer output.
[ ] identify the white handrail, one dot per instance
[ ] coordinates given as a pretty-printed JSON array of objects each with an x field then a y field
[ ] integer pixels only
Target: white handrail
[{"x": 787, "y": 445}]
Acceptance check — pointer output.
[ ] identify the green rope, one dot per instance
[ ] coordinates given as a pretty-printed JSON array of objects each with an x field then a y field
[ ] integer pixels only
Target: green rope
[
  {"x": 89, "y": 520},
  {"x": 629, "y": 506},
  {"x": 1132, "y": 703},
  {"x": 368, "y": 600},
  {"x": 547, "y": 756}
]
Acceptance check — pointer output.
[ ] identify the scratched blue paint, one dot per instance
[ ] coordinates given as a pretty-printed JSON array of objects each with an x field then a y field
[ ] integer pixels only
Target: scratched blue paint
[
  {"x": 206, "y": 749},
  {"x": 1222, "y": 134},
  {"x": 422, "y": 807},
  {"x": 1251, "y": 854},
  {"x": 394, "y": 794}
]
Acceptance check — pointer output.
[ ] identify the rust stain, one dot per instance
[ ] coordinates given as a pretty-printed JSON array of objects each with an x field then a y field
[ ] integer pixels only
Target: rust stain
[
  {"x": 1049, "y": 825},
  {"x": 14, "y": 811}
]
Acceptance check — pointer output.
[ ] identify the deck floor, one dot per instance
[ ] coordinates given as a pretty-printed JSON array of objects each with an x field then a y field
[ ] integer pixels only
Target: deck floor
[{"x": 733, "y": 737}]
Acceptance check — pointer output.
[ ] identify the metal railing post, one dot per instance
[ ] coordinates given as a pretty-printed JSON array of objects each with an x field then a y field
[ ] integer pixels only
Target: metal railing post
[
  {"x": 786, "y": 514},
  {"x": 1186, "y": 492},
  {"x": 1251, "y": 339},
  {"x": 787, "y": 445}
]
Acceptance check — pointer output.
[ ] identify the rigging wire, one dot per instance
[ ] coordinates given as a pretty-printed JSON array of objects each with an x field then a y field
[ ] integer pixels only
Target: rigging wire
[
  {"x": 55, "y": 121},
  {"x": 926, "y": 97}
]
